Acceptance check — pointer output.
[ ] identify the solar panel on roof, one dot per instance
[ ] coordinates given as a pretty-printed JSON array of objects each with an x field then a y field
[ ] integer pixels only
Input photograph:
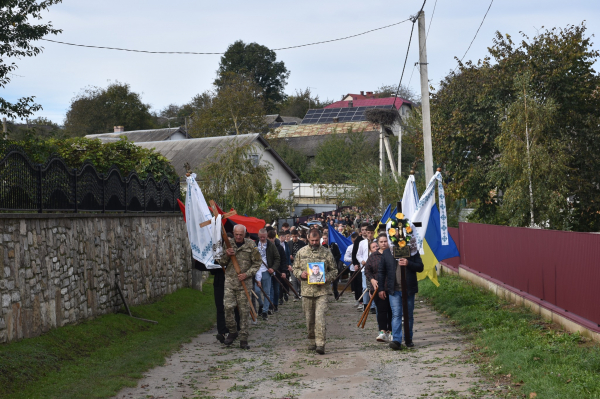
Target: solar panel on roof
[{"x": 346, "y": 114}]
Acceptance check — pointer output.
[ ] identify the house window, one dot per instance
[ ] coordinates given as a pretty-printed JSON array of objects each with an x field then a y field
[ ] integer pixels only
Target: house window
[{"x": 254, "y": 159}]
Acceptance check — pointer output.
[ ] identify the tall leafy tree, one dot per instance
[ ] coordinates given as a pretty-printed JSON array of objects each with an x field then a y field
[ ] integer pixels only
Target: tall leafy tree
[
  {"x": 236, "y": 107},
  {"x": 17, "y": 31},
  {"x": 469, "y": 107},
  {"x": 257, "y": 61},
  {"x": 298, "y": 104},
  {"x": 98, "y": 110}
]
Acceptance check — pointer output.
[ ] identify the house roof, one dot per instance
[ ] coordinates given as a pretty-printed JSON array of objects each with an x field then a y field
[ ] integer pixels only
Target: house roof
[
  {"x": 291, "y": 119},
  {"x": 272, "y": 118},
  {"x": 200, "y": 151},
  {"x": 360, "y": 96},
  {"x": 309, "y": 145},
  {"x": 371, "y": 102},
  {"x": 139, "y": 136},
  {"x": 320, "y": 129}
]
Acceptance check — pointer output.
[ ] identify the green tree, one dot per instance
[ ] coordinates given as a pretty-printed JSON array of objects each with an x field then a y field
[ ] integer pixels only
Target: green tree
[
  {"x": 16, "y": 35},
  {"x": 298, "y": 104},
  {"x": 252, "y": 59},
  {"x": 370, "y": 189},
  {"x": 532, "y": 167},
  {"x": 295, "y": 159},
  {"x": 34, "y": 128},
  {"x": 242, "y": 184},
  {"x": 341, "y": 156},
  {"x": 98, "y": 110},
  {"x": 405, "y": 92},
  {"x": 236, "y": 107},
  {"x": 468, "y": 109}
]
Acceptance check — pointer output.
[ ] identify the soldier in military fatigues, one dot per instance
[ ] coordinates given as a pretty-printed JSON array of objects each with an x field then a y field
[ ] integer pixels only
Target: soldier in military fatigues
[
  {"x": 314, "y": 296},
  {"x": 249, "y": 261}
]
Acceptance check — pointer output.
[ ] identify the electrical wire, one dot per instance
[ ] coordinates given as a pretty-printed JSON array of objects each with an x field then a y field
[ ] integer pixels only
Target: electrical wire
[
  {"x": 465, "y": 54},
  {"x": 414, "y": 19},
  {"x": 198, "y": 53}
]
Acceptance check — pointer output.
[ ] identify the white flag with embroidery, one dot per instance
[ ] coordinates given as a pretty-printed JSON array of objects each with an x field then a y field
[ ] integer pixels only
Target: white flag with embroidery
[
  {"x": 196, "y": 212},
  {"x": 410, "y": 199},
  {"x": 217, "y": 237},
  {"x": 426, "y": 203}
]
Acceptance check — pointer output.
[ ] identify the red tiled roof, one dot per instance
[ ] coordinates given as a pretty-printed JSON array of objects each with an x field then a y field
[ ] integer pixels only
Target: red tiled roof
[{"x": 369, "y": 102}]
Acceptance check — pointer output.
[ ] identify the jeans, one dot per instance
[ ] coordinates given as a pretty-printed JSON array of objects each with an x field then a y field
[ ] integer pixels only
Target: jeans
[
  {"x": 275, "y": 287},
  {"x": 367, "y": 297},
  {"x": 396, "y": 305},
  {"x": 266, "y": 286}
]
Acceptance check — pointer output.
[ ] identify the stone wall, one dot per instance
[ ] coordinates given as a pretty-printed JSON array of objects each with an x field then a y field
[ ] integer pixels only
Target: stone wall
[{"x": 60, "y": 269}]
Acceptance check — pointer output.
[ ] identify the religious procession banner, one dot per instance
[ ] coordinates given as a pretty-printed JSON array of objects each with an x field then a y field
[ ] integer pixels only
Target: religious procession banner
[
  {"x": 197, "y": 212},
  {"x": 433, "y": 240}
]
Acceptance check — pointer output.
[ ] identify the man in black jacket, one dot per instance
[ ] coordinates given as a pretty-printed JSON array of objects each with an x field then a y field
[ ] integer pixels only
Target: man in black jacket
[
  {"x": 389, "y": 277},
  {"x": 281, "y": 268},
  {"x": 296, "y": 245}
]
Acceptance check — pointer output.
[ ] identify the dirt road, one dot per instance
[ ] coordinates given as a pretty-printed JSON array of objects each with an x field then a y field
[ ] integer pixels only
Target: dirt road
[{"x": 355, "y": 365}]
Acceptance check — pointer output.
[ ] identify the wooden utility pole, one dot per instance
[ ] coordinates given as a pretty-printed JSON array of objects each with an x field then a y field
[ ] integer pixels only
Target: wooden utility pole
[
  {"x": 425, "y": 99},
  {"x": 400, "y": 150}
]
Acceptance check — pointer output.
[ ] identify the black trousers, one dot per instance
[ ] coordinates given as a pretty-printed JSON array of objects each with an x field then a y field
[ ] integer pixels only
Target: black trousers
[
  {"x": 357, "y": 285},
  {"x": 384, "y": 313},
  {"x": 219, "y": 290}
]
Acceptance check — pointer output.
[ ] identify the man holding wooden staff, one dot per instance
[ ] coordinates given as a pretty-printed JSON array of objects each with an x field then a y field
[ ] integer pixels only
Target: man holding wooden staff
[
  {"x": 314, "y": 296},
  {"x": 389, "y": 277},
  {"x": 249, "y": 260}
]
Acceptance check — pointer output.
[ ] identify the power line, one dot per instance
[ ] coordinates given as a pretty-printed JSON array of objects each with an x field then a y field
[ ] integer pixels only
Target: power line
[
  {"x": 199, "y": 53},
  {"x": 413, "y": 20},
  {"x": 465, "y": 54}
]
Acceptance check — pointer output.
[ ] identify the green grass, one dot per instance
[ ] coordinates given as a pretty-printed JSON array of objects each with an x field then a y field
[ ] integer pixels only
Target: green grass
[
  {"x": 510, "y": 340},
  {"x": 96, "y": 358}
]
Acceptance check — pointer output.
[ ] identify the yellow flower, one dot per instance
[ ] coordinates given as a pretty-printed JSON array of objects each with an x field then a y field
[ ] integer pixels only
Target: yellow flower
[
  {"x": 399, "y": 215},
  {"x": 402, "y": 244},
  {"x": 409, "y": 229},
  {"x": 392, "y": 232}
]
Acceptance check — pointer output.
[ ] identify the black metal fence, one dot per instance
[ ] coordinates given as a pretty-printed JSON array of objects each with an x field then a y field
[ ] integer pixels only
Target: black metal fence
[{"x": 25, "y": 186}]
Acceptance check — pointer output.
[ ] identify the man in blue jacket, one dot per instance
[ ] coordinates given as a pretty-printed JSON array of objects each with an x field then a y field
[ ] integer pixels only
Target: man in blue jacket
[{"x": 389, "y": 278}]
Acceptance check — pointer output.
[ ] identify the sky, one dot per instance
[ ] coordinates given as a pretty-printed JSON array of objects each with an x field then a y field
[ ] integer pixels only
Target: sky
[{"x": 330, "y": 70}]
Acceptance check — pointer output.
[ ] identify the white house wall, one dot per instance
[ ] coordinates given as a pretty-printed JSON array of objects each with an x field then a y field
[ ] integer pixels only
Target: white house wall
[{"x": 278, "y": 173}]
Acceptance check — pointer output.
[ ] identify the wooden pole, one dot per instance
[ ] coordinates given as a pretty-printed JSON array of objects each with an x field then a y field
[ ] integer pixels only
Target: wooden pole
[
  {"x": 236, "y": 265},
  {"x": 367, "y": 310},
  {"x": 403, "y": 284},
  {"x": 265, "y": 294},
  {"x": 350, "y": 281}
]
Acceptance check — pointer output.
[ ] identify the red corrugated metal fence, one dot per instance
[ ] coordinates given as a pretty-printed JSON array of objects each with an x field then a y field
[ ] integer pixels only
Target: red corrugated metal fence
[{"x": 559, "y": 267}]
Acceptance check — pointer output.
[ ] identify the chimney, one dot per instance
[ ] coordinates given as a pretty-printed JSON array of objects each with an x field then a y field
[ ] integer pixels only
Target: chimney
[
  {"x": 362, "y": 93},
  {"x": 370, "y": 93},
  {"x": 350, "y": 104},
  {"x": 119, "y": 129}
]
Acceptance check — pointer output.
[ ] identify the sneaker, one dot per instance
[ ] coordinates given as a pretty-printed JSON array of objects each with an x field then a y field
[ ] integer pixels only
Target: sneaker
[
  {"x": 265, "y": 317},
  {"x": 395, "y": 345},
  {"x": 388, "y": 337},
  {"x": 382, "y": 337},
  {"x": 285, "y": 297},
  {"x": 260, "y": 308},
  {"x": 409, "y": 344},
  {"x": 295, "y": 299},
  {"x": 270, "y": 312},
  {"x": 276, "y": 309},
  {"x": 360, "y": 306},
  {"x": 373, "y": 311},
  {"x": 281, "y": 301}
]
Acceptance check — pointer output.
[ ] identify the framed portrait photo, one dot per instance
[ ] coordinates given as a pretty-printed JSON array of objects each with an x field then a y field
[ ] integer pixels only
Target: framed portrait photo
[{"x": 316, "y": 273}]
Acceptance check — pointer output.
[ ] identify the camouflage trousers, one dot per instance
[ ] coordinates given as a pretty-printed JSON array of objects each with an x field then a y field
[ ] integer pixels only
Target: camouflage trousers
[
  {"x": 314, "y": 310},
  {"x": 231, "y": 300}
]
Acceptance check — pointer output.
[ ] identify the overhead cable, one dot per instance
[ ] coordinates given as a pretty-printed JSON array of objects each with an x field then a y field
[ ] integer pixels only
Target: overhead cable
[
  {"x": 200, "y": 53},
  {"x": 465, "y": 54}
]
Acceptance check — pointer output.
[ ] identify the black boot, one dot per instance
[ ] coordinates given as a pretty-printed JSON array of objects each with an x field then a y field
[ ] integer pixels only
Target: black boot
[
  {"x": 221, "y": 338},
  {"x": 244, "y": 345},
  {"x": 230, "y": 338}
]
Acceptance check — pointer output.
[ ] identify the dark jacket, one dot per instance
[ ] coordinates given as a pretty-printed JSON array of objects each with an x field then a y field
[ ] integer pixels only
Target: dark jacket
[
  {"x": 335, "y": 251},
  {"x": 386, "y": 275},
  {"x": 283, "y": 263},
  {"x": 355, "y": 261},
  {"x": 372, "y": 268},
  {"x": 272, "y": 255},
  {"x": 300, "y": 244},
  {"x": 286, "y": 247}
]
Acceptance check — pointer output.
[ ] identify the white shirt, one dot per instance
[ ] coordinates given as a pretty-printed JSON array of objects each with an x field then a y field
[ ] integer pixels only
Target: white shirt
[
  {"x": 262, "y": 248},
  {"x": 348, "y": 256},
  {"x": 363, "y": 252}
]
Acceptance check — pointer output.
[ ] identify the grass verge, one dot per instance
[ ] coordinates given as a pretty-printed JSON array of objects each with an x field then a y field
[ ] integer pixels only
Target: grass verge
[
  {"x": 528, "y": 355},
  {"x": 97, "y": 358}
]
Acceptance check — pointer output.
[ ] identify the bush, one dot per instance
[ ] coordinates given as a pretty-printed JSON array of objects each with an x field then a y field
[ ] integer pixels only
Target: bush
[
  {"x": 123, "y": 154},
  {"x": 307, "y": 212}
]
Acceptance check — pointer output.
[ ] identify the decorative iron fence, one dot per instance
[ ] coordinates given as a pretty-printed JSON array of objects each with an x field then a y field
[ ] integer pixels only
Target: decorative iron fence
[{"x": 25, "y": 186}]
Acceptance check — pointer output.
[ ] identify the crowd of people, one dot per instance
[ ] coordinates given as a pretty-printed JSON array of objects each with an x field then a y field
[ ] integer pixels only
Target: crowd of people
[{"x": 299, "y": 263}]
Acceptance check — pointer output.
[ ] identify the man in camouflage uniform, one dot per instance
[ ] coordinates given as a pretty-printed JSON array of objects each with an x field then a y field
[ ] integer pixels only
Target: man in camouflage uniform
[
  {"x": 314, "y": 296},
  {"x": 249, "y": 260}
]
